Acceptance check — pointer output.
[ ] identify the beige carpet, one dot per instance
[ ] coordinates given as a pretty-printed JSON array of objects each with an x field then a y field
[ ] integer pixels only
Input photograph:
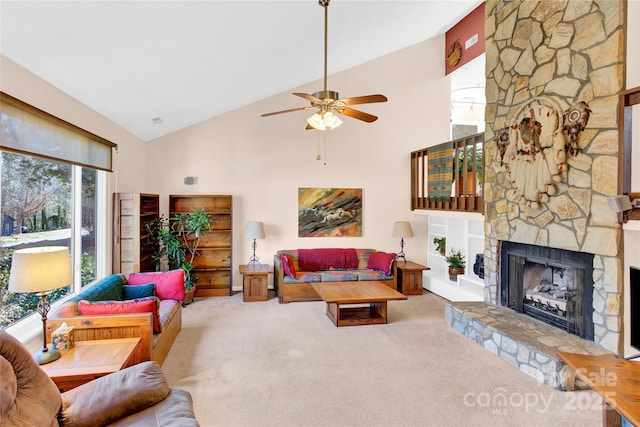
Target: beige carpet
[{"x": 270, "y": 364}]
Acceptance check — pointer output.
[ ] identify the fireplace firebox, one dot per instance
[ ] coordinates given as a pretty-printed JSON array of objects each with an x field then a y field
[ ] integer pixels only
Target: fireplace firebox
[{"x": 549, "y": 284}]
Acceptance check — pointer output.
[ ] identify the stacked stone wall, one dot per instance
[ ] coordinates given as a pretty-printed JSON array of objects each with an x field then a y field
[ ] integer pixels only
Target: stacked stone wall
[{"x": 569, "y": 51}]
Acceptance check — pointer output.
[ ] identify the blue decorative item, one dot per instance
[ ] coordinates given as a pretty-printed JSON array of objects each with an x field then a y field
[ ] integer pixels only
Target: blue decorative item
[{"x": 478, "y": 266}]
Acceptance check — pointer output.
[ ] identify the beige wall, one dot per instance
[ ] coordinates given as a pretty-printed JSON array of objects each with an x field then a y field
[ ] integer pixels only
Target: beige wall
[
  {"x": 128, "y": 161},
  {"x": 263, "y": 161}
]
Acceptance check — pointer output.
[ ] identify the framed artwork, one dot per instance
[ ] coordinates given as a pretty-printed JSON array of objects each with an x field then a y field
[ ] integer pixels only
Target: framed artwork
[{"x": 329, "y": 212}]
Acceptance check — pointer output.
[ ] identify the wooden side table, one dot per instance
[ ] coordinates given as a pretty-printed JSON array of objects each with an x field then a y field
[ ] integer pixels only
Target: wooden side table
[
  {"x": 255, "y": 279},
  {"x": 408, "y": 277},
  {"x": 88, "y": 360},
  {"x": 615, "y": 379}
]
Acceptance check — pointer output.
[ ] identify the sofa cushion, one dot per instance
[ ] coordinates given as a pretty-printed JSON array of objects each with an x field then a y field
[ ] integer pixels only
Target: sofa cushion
[
  {"x": 372, "y": 275},
  {"x": 327, "y": 258},
  {"x": 166, "y": 311},
  {"x": 304, "y": 277},
  {"x": 141, "y": 305},
  {"x": 381, "y": 261},
  {"x": 174, "y": 410},
  {"x": 112, "y": 397},
  {"x": 169, "y": 284},
  {"x": 139, "y": 291},
  {"x": 338, "y": 275},
  {"x": 287, "y": 265},
  {"x": 109, "y": 288}
]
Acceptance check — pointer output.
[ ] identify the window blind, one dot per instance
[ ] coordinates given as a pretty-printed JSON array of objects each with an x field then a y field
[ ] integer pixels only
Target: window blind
[{"x": 26, "y": 129}]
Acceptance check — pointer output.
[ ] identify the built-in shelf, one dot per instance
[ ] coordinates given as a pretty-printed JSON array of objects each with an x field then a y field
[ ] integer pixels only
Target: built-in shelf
[{"x": 465, "y": 233}]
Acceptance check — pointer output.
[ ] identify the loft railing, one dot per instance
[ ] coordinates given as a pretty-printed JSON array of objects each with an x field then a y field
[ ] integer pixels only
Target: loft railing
[{"x": 466, "y": 188}]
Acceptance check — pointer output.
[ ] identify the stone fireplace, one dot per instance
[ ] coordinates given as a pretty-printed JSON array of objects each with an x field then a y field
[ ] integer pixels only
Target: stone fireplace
[
  {"x": 565, "y": 53},
  {"x": 554, "y": 70},
  {"x": 551, "y": 285}
]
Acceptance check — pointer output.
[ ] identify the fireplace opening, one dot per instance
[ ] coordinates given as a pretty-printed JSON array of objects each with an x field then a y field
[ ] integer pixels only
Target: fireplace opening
[{"x": 551, "y": 285}]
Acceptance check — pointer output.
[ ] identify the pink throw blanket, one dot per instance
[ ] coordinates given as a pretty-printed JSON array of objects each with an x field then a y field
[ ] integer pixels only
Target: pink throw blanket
[{"x": 327, "y": 258}]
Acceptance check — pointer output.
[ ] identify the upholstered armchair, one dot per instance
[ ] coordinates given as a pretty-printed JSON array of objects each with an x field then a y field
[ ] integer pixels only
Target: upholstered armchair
[{"x": 138, "y": 395}]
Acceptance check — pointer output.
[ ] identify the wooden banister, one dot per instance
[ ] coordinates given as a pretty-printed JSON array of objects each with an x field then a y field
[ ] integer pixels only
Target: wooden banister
[{"x": 468, "y": 156}]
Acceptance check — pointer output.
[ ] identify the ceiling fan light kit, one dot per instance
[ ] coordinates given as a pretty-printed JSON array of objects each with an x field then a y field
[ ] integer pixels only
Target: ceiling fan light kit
[{"x": 328, "y": 102}]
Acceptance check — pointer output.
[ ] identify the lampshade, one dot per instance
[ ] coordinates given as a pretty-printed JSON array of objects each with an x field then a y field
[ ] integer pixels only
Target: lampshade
[
  {"x": 402, "y": 229},
  {"x": 40, "y": 269},
  {"x": 254, "y": 230}
]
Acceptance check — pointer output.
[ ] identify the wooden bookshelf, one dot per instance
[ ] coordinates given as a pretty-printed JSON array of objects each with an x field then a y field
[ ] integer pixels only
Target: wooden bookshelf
[{"x": 212, "y": 264}]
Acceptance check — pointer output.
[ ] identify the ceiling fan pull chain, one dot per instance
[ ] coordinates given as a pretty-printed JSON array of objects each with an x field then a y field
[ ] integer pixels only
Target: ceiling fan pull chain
[
  {"x": 318, "y": 156},
  {"x": 325, "y": 148}
]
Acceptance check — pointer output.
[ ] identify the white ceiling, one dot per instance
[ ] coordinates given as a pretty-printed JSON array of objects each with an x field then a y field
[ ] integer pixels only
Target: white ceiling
[{"x": 187, "y": 61}]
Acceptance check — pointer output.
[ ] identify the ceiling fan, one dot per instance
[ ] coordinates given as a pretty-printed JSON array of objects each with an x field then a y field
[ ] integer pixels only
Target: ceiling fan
[{"x": 328, "y": 102}]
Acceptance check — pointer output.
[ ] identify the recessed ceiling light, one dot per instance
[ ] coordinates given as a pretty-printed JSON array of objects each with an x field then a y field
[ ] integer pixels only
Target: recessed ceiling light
[{"x": 157, "y": 120}]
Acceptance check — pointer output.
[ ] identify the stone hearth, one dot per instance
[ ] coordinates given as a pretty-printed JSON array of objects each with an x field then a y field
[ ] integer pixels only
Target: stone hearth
[{"x": 529, "y": 344}]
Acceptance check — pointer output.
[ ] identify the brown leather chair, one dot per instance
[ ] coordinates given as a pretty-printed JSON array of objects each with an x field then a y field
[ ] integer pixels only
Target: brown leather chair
[{"x": 138, "y": 395}]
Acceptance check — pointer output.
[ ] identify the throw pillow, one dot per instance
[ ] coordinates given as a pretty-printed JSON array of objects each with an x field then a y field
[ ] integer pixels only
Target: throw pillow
[
  {"x": 169, "y": 284},
  {"x": 381, "y": 261},
  {"x": 287, "y": 264},
  {"x": 139, "y": 291},
  {"x": 140, "y": 305}
]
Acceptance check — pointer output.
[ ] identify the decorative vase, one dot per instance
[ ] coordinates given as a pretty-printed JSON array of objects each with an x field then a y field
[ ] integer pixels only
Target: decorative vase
[
  {"x": 454, "y": 272},
  {"x": 442, "y": 250}
]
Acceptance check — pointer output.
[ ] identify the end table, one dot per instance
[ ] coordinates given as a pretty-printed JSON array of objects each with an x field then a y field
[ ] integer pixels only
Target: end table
[
  {"x": 88, "y": 360},
  {"x": 408, "y": 277},
  {"x": 255, "y": 278}
]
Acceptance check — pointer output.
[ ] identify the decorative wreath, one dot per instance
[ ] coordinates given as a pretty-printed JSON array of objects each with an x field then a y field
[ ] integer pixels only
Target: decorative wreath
[{"x": 454, "y": 53}]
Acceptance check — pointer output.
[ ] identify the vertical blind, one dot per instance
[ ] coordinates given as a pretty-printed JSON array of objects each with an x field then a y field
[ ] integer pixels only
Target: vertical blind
[{"x": 31, "y": 131}]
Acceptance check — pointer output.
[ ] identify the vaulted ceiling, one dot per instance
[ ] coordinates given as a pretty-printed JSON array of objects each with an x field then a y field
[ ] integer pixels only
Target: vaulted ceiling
[{"x": 187, "y": 61}]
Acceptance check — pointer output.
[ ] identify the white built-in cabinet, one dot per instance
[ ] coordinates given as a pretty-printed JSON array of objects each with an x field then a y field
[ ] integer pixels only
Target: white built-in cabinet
[{"x": 466, "y": 233}]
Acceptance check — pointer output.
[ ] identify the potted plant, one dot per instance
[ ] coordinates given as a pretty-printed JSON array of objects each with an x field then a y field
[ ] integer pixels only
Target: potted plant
[
  {"x": 441, "y": 244},
  {"x": 468, "y": 151},
  {"x": 178, "y": 238},
  {"x": 456, "y": 261}
]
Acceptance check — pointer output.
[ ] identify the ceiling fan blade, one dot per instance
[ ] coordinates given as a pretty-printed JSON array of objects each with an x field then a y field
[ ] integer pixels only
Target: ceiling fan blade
[
  {"x": 286, "y": 111},
  {"x": 356, "y": 114},
  {"x": 308, "y": 97},
  {"x": 367, "y": 99}
]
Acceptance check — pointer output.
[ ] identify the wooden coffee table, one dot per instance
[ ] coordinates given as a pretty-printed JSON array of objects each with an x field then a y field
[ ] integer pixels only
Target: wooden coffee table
[
  {"x": 88, "y": 360},
  {"x": 337, "y": 295}
]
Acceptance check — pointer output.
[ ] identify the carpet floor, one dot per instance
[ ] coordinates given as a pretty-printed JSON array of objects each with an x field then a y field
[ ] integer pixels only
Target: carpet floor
[{"x": 271, "y": 364}]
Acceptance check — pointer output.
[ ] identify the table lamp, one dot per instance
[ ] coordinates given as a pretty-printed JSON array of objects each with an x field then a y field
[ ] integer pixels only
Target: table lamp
[
  {"x": 402, "y": 229},
  {"x": 254, "y": 230},
  {"x": 41, "y": 270}
]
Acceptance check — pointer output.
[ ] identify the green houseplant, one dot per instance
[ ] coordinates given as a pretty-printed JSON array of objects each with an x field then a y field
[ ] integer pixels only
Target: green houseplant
[
  {"x": 441, "y": 244},
  {"x": 456, "y": 261},
  {"x": 468, "y": 172},
  {"x": 177, "y": 239}
]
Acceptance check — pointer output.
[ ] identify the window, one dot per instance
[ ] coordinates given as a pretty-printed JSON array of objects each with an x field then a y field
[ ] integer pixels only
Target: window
[
  {"x": 53, "y": 192},
  {"x": 40, "y": 204}
]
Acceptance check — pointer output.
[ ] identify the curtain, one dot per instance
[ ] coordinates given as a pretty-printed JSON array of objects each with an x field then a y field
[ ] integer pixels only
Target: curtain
[{"x": 28, "y": 130}]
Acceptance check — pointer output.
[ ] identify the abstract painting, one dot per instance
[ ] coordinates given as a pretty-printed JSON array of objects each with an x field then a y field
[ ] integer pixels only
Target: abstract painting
[{"x": 329, "y": 212}]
